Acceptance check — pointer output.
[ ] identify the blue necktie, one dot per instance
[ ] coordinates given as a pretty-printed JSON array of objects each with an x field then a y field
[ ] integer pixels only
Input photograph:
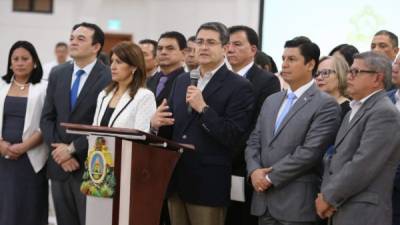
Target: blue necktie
[
  {"x": 289, "y": 103},
  {"x": 75, "y": 88}
]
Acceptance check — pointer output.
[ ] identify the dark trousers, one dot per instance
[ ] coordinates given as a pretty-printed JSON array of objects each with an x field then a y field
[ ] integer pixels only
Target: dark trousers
[
  {"x": 69, "y": 202},
  {"x": 23, "y": 193},
  {"x": 164, "y": 218},
  {"x": 239, "y": 212},
  {"x": 396, "y": 205}
]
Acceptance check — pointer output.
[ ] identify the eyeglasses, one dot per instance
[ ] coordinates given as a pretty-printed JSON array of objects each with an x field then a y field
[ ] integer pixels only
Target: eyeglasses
[
  {"x": 324, "y": 73},
  {"x": 207, "y": 43},
  {"x": 354, "y": 72}
]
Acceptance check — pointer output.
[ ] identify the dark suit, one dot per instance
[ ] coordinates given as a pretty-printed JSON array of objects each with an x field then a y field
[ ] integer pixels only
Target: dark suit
[
  {"x": 56, "y": 110},
  {"x": 153, "y": 81},
  {"x": 203, "y": 176},
  {"x": 396, "y": 189},
  {"x": 264, "y": 84}
]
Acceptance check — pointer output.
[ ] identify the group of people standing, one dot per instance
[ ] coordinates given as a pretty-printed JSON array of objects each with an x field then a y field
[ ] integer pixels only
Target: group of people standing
[
  {"x": 334, "y": 112},
  {"x": 35, "y": 147}
]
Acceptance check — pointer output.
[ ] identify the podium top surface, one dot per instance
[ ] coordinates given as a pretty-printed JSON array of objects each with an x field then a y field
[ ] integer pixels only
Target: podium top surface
[{"x": 125, "y": 133}]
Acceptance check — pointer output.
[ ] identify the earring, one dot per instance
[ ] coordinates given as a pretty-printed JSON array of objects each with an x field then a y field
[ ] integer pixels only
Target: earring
[{"x": 34, "y": 66}]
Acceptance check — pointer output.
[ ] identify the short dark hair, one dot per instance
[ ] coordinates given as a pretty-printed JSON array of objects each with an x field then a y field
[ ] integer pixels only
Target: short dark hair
[
  {"x": 219, "y": 28},
  {"x": 263, "y": 59},
  {"x": 179, "y": 37},
  {"x": 98, "y": 35},
  {"x": 150, "y": 42},
  {"x": 192, "y": 38},
  {"x": 308, "y": 49},
  {"x": 251, "y": 34},
  {"x": 61, "y": 44},
  {"x": 347, "y": 51},
  {"x": 393, "y": 38},
  {"x": 37, "y": 72}
]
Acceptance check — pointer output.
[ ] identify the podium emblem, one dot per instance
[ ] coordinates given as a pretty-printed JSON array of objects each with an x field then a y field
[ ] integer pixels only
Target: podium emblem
[{"x": 98, "y": 179}]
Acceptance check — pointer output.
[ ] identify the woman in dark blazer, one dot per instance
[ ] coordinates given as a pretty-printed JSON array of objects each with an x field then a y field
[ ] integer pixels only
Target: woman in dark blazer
[{"x": 24, "y": 186}]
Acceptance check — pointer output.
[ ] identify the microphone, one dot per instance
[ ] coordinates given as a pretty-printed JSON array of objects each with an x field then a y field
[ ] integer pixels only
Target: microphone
[{"x": 194, "y": 78}]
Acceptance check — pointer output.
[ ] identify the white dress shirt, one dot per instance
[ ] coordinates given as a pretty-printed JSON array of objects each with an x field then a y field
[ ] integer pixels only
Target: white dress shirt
[
  {"x": 299, "y": 92},
  {"x": 242, "y": 72},
  {"x": 203, "y": 80},
  {"x": 356, "y": 105},
  {"x": 88, "y": 68}
]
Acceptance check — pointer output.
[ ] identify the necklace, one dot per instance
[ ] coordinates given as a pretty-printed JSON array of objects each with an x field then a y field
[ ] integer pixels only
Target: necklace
[{"x": 20, "y": 86}]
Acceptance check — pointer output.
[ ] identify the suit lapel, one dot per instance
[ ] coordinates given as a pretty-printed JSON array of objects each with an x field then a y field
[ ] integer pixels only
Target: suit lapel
[
  {"x": 31, "y": 101},
  {"x": 165, "y": 92},
  {"x": 67, "y": 79},
  {"x": 212, "y": 86},
  {"x": 103, "y": 106},
  {"x": 274, "y": 115},
  {"x": 152, "y": 82},
  {"x": 121, "y": 105},
  {"x": 345, "y": 128},
  {"x": 250, "y": 73},
  {"x": 90, "y": 82},
  {"x": 300, "y": 103},
  {"x": 215, "y": 83},
  {"x": 189, "y": 117}
]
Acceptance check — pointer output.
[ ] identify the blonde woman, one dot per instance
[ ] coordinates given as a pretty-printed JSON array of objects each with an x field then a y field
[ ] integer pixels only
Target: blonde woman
[{"x": 331, "y": 77}]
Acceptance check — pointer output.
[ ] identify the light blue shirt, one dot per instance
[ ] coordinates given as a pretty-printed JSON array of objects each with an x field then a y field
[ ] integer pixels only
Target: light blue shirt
[{"x": 299, "y": 92}]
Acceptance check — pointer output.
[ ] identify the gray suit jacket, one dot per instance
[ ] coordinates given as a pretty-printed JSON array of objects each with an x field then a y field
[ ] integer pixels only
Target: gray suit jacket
[
  {"x": 57, "y": 110},
  {"x": 358, "y": 179},
  {"x": 294, "y": 152}
]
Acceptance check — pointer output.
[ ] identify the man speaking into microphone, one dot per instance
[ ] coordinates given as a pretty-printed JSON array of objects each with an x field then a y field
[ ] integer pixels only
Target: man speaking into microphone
[{"x": 221, "y": 106}]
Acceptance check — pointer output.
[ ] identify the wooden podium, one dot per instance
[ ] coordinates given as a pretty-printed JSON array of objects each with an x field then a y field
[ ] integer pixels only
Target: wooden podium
[{"x": 143, "y": 165}]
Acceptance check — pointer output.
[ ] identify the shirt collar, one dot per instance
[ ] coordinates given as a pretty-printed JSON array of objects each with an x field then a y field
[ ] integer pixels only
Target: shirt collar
[
  {"x": 208, "y": 75},
  {"x": 363, "y": 100},
  {"x": 300, "y": 91},
  {"x": 88, "y": 68},
  {"x": 242, "y": 72}
]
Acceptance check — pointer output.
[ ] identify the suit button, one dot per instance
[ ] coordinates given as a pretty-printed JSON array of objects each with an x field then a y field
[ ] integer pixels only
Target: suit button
[{"x": 184, "y": 137}]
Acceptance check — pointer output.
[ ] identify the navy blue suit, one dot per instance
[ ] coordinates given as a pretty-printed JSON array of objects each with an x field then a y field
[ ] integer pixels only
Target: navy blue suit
[
  {"x": 204, "y": 176},
  {"x": 396, "y": 189}
]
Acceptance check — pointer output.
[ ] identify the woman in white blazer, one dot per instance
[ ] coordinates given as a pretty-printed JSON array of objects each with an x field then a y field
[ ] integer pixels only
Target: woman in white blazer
[
  {"x": 126, "y": 103},
  {"x": 23, "y": 182}
]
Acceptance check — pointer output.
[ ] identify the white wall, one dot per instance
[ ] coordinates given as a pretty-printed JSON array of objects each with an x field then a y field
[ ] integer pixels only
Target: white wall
[{"x": 141, "y": 18}]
